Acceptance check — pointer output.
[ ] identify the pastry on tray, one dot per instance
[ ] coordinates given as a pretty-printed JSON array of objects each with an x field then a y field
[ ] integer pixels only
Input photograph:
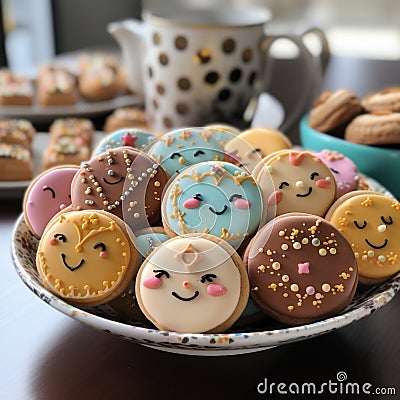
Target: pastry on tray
[{"x": 56, "y": 86}]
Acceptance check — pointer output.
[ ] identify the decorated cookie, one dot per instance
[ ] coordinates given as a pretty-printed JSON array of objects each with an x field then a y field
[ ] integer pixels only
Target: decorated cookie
[
  {"x": 179, "y": 149},
  {"x": 125, "y": 137},
  {"x": 344, "y": 171},
  {"x": 213, "y": 197},
  {"x": 123, "y": 181},
  {"x": 371, "y": 223},
  {"x": 193, "y": 283},
  {"x": 294, "y": 181},
  {"x": 46, "y": 195},
  {"x": 301, "y": 269},
  {"x": 86, "y": 257},
  {"x": 250, "y": 146}
]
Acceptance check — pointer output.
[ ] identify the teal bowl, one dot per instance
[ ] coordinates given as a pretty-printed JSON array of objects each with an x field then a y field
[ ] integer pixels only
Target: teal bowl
[{"x": 382, "y": 164}]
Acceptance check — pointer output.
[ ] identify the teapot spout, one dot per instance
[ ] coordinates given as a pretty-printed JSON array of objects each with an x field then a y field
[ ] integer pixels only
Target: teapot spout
[{"x": 130, "y": 36}]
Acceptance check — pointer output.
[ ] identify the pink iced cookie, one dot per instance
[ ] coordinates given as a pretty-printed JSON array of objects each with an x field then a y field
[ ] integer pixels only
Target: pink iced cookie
[
  {"x": 344, "y": 171},
  {"x": 49, "y": 193}
]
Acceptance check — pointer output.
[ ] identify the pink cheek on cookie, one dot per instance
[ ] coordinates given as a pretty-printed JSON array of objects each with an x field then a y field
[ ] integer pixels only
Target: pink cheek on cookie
[
  {"x": 103, "y": 254},
  {"x": 242, "y": 204},
  {"x": 275, "y": 198},
  {"x": 323, "y": 183},
  {"x": 53, "y": 241},
  {"x": 214, "y": 289},
  {"x": 152, "y": 283},
  {"x": 191, "y": 203}
]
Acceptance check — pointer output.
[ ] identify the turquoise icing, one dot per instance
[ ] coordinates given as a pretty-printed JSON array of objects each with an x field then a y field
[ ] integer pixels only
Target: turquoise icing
[
  {"x": 217, "y": 211},
  {"x": 181, "y": 148},
  {"x": 113, "y": 140},
  {"x": 146, "y": 242}
]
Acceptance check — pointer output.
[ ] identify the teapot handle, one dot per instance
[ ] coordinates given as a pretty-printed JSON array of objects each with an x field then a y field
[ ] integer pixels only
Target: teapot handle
[
  {"x": 314, "y": 70},
  {"x": 325, "y": 53},
  {"x": 130, "y": 34}
]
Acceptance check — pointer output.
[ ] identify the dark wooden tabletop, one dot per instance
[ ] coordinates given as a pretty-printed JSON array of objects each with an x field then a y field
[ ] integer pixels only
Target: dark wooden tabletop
[{"x": 49, "y": 356}]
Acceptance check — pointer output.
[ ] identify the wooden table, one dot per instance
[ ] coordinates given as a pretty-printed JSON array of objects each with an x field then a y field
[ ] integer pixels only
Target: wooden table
[{"x": 46, "y": 355}]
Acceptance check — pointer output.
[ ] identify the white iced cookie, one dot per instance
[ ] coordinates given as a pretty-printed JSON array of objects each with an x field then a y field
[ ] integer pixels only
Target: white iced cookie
[{"x": 193, "y": 283}]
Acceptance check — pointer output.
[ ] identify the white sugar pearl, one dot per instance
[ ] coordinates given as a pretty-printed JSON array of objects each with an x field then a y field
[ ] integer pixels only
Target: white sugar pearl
[{"x": 382, "y": 228}]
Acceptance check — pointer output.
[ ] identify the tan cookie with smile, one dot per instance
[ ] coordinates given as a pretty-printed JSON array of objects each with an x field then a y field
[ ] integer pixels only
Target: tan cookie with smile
[
  {"x": 371, "y": 223},
  {"x": 294, "y": 181}
]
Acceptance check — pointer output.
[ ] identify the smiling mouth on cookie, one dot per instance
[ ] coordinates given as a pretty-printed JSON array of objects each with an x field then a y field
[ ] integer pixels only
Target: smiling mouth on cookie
[
  {"x": 196, "y": 293},
  {"x": 115, "y": 182},
  {"x": 376, "y": 247},
  {"x": 305, "y": 194},
  {"x": 63, "y": 256},
  {"x": 218, "y": 212}
]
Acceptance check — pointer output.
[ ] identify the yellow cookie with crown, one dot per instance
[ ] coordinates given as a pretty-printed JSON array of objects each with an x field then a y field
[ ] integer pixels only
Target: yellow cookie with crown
[
  {"x": 370, "y": 221},
  {"x": 86, "y": 257}
]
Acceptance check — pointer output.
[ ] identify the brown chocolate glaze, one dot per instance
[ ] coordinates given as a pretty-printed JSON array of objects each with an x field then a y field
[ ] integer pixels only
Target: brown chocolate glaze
[
  {"x": 123, "y": 181},
  {"x": 301, "y": 269}
]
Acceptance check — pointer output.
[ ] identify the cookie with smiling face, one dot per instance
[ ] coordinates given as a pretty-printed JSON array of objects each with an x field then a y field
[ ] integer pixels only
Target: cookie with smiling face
[
  {"x": 46, "y": 195},
  {"x": 123, "y": 181},
  {"x": 294, "y": 181},
  {"x": 216, "y": 198},
  {"x": 193, "y": 283},
  {"x": 86, "y": 257},
  {"x": 181, "y": 148},
  {"x": 371, "y": 223},
  {"x": 301, "y": 269}
]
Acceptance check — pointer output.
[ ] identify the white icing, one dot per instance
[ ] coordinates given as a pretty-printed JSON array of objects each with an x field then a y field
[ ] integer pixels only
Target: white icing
[{"x": 204, "y": 312}]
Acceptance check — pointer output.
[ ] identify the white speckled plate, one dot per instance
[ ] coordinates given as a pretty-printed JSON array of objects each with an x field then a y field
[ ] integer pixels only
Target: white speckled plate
[{"x": 252, "y": 338}]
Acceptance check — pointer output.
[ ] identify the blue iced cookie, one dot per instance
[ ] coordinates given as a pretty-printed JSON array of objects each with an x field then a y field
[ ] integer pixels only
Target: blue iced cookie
[
  {"x": 218, "y": 198},
  {"x": 181, "y": 148},
  {"x": 125, "y": 137}
]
